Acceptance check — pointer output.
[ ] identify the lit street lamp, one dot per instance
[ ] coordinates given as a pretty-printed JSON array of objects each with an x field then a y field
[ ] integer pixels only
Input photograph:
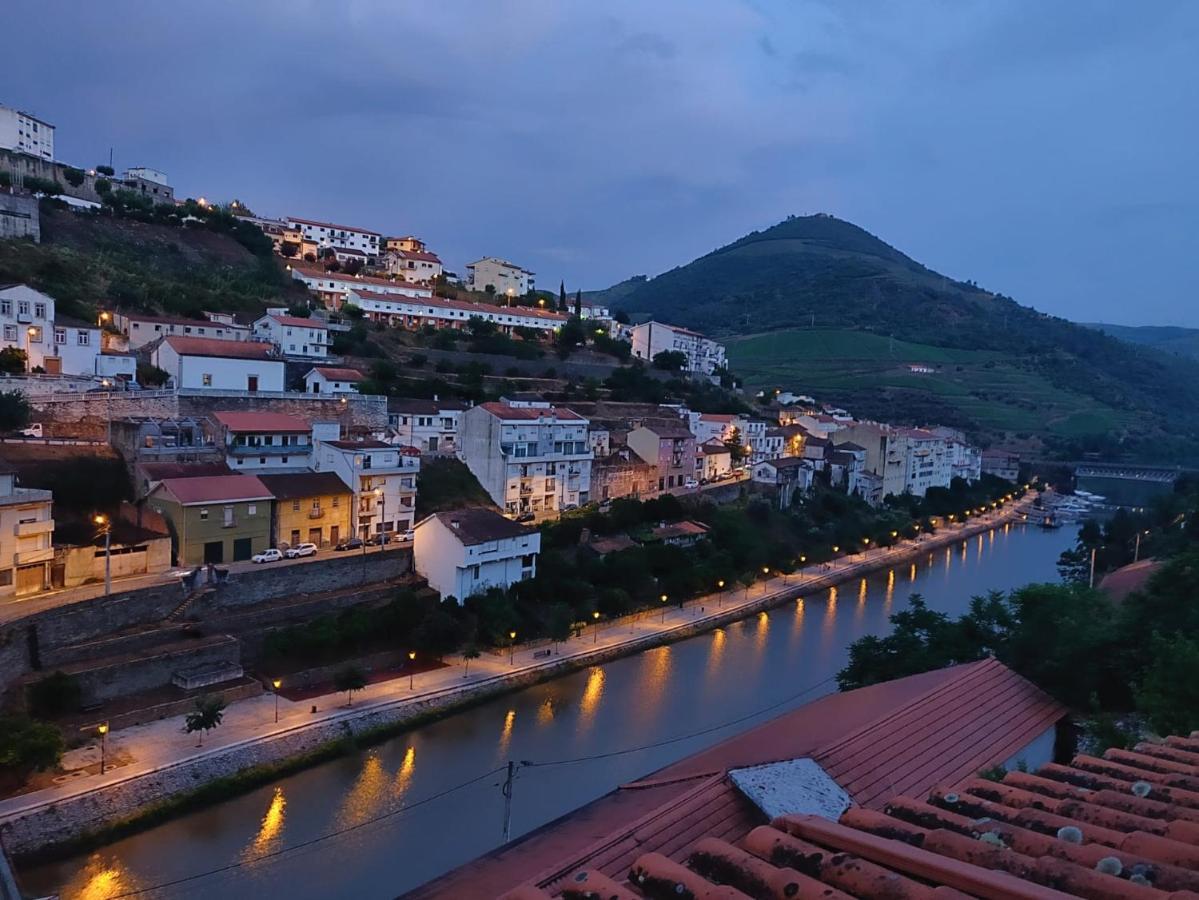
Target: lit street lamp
[
  {"x": 511, "y": 648},
  {"x": 276, "y": 684},
  {"x": 595, "y": 627},
  {"x": 663, "y": 599},
  {"x": 411, "y": 670},
  {"x": 720, "y": 593},
  {"x": 102, "y": 730},
  {"x": 106, "y": 529}
]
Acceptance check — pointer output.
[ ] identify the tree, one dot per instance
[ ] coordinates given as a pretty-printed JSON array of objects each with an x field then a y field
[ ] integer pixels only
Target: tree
[
  {"x": 103, "y": 186},
  {"x": 469, "y": 652},
  {"x": 578, "y": 303},
  {"x": 27, "y": 745},
  {"x": 288, "y": 249},
  {"x": 206, "y": 716},
  {"x": 13, "y": 360},
  {"x": 562, "y": 296},
  {"x": 1168, "y": 694},
  {"x": 349, "y": 679},
  {"x": 47, "y": 186},
  {"x": 15, "y": 411},
  {"x": 73, "y": 176},
  {"x": 149, "y": 375},
  {"x": 621, "y": 316},
  {"x": 735, "y": 446},
  {"x": 299, "y": 310},
  {"x": 670, "y": 360},
  {"x": 559, "y": 622},
  {"x": 105, "y": 170},
  {"x": 570, "y": 336}
]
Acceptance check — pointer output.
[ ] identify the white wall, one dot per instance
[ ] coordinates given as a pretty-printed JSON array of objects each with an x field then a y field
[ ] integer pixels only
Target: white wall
[
  {"x": 227, "y": 374},
  {"x": 450, "y": 568}
]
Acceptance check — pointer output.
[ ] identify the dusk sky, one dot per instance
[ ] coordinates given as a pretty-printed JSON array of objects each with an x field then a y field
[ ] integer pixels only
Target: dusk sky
[{"x": 1046, "y": 150}]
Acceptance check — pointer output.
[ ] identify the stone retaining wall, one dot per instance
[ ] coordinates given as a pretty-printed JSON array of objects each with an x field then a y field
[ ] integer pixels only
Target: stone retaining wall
[
  {"x": 62, "y": 821},
  {"x": 122, "y": 676}
]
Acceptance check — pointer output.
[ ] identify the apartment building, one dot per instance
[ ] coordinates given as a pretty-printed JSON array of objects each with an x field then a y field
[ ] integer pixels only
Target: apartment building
[
  {"x": 333, "y": 288},
  {"x": 294, "y": 336},
  {"x": 326, "y": 234},
  {"x": 431, "y": 426},
  {"x": 466, "y": 551},
  {"x": 440, "y": 312},
  {"x": 1001, "y": 463},
  {"x": 503, "y": 277},
  {"x": 530, "y": 460},
  {"x": 214, "y": 519},
  {"x": 264, "y": 441},
  {"x": 416, "y": 266},
  {"x": 26, "y": 536},
  {"x": 669, "y": 446},
  {"x": 908, "y": 460},
  {"x": 53, "y": 343},
  {"x": 382, "y": 478},
  {"x": 23, "y": 132},
  {"x": 142, "y": 329},
  {"x": 703, "y": 356},
  {"x": 313, "y": 507}
]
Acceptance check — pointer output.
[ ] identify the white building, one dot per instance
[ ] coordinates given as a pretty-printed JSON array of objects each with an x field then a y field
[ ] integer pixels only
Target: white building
[
  {"x": 440, "y": 312},
  {"x": 416, "y": 266},
  {"x": 530, "y": 460},
  {"x": 257, "y": 442},
  {"x": 711, "y": 426},
  {"x": 431, "y": 426},
  {"x": 26, "y": 537},
  {"x": 334, "y": 288},
  {"x": 326, "y": 234},
  {"x": 382, "y": 478},
  {"x": 211, "y": 364},
  {"x": 294, "y": 336},
  {"x": 58, "y": 345},
  {"x": 908, "y": 460},
  {"x": 332, "y": 380},
  {"x": 25, "y": 133},
  {"x": 703, "y": 356},
  {"x": 965, "y": 461},
  {"x": 466, "y": 551},
  {"x": 505, "y": 278},
  {"x": 142, "y": 329}
]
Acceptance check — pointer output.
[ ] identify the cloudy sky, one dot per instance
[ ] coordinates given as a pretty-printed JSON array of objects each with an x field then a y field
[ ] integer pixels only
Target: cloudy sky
[{"x": 1046, "y": 150}]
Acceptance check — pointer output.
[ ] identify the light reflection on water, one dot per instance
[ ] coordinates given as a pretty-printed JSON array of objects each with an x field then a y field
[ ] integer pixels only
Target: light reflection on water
[{"x": 646, "y": 701}]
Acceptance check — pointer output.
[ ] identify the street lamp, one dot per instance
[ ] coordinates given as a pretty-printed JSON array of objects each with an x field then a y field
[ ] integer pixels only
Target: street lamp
[
  {"x": 663, "y": 599},
  {"x": 595, "y": 628},
  {"x": 30, "y": 333},
  {"x": 1136, "y": 553},
  {"x": 511, "y": 648},
  {"x": 276, "y": 684},
  {"x": 411, "y": 670},
  {"x": 382, "y": 513},
  {"x": 720, "y": 593},
  {"x": 102, "y": 730},
  {"x": 106, "y": 529}
]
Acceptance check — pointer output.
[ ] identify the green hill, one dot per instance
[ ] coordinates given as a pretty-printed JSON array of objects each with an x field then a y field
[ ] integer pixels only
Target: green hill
[
  {"x": 1073, "y": 388},
  {"x": 1165, "y": 338}
]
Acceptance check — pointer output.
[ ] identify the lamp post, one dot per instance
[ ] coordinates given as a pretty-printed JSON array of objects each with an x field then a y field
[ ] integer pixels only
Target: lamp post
[
  {"x": 102, "y": 730},
  {"x": 106, "y": 529},
  {"x": 663, "y": 599},
  {"x": 1136, "y": 553},
  {"x": 720, "y": 593},
  {"x": 411, "y": 670},
  {"x": 30, "y": 334},
  {"x": 595, "y": 627},
  {"x": 511, "y": 648},
  {"x": 107, "y": 385},
  {"x": 276, "y": 684},
  {"x": 382, "y": 513}
]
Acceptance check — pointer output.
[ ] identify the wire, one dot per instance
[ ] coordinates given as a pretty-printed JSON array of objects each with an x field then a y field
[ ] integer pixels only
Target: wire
[
  {"x": 308, "y": 843},
  {"x": 682, "y": 737}
]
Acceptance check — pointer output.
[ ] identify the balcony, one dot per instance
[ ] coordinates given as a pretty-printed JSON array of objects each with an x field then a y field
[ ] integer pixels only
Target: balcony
[
  {"x": 316, "y": 513},
  {"x": 269, "y": 450},
  {"x": 32, "y": 529},
  {"x": 26, "y": 557}
]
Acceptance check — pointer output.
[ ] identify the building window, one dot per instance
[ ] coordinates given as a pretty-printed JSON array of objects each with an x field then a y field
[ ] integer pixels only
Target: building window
[
  {"x": 23, "y": 307},
  {"x": 39, "y": 310},
  {"x": 60, "y": 335},
  {"x": 295, "y": 505},
  {"x": 5, "y": 307},
  {"x": 336, "y": 501},
  {"x": 206, "y": 379},
  {"x": 84, "y": 338},
  {"x": 203, "y": 514}
]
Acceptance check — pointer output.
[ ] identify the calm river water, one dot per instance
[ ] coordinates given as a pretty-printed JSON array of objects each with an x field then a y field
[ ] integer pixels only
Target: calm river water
[{"x": 748, "y": 672}]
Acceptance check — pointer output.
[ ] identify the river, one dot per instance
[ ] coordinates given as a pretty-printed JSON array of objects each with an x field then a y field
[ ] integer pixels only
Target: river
[{"x": 717, "y": 684}]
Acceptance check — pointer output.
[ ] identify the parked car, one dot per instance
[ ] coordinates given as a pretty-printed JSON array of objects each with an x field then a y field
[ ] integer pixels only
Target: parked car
[
  {"x": 690, "y": 483},
  {"x": 353, "y": 543},
  {"x": 301, "y": 550},
  {"x": 33, "y": 431},
  {"x": 525, "y": 517},
  {"x": 266, "y": 556},
  {"x": 408, "y": 535}
]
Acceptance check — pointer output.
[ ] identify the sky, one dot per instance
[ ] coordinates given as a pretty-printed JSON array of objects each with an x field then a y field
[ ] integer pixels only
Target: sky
[{"x": 1046, "y": 150}]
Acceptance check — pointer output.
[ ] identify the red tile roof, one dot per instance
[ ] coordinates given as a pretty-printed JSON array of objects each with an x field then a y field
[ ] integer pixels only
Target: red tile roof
[
  {"x": 422, "y": 255},
  {"x": 314, "y": 271},
  {"x": 194, "y": 346},
  {"x": 215, "y": 489},
  {"x": 477, "y": 309},
  {"x": 1126, "y": 579},
  {"x": 298, "y": 322},
  {"x": 262, "y": 422},
  {"x": 529, "y": 413},
  {"x": 335, "y": 374},
  {"x": 331, "y": 225},
  {"x": 683, "y": 529}
]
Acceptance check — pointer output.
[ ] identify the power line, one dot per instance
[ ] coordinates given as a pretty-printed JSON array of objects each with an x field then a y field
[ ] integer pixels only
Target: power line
[
  {"x": 308, "y": 843},
  {"x": 523, "y": 764}
]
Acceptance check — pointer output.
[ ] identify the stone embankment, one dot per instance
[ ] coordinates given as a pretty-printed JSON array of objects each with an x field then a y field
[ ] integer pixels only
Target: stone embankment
[{"x": 43, "y": 824}]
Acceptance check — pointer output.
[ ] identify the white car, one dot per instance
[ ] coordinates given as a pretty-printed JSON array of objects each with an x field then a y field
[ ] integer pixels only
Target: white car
[
  {"x": 406, "y": 536},
  {"x": 690, "y": 483},
  {"x": 266, "y": 556},
  {"x": 300, "y": 550}
]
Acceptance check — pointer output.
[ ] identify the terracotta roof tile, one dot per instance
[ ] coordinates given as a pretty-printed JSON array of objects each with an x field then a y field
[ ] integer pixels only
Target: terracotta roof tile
[
  {"x": 262, "y": 422},
  {"x": 529, "y": 413},
  {"x": 215, "y": 489},
  {"x": 215, "y": 347},
  {"x": 332, "y": 373}
]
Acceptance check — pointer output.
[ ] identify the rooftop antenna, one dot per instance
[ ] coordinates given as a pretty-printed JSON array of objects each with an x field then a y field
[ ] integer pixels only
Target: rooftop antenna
[{"x": 110, "y": 157}]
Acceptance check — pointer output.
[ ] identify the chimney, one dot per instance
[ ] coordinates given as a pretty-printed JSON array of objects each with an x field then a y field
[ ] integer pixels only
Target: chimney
[
  {"x": 436, "y": 398},
  {"x": 455, "y": 524}
]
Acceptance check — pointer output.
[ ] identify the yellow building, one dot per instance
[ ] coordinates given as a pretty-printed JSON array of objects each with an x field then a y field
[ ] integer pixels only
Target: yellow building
[{"x": 310, "y": 507}]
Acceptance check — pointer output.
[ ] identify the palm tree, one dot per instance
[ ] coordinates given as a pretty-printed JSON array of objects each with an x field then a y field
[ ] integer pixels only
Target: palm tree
[
  {"x": 469, "y": 652},
  {"x": 208, "y": 714},
  {"x": 349, "y": 679}
]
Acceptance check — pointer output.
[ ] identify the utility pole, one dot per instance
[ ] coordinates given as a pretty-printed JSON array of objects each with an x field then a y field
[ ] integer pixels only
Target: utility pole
[
  {"x": 1093, "y": 549},
  {"x": 507, "y": 791}
]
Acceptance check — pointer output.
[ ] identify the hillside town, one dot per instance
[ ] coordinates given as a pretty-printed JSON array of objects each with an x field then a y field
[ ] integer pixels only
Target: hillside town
[{"x": 371, "y": 527}]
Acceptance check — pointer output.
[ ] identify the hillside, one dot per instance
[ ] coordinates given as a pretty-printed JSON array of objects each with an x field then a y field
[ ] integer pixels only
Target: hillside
[
  {"x": 86, "y": 261},
  {"x": 1068, "y": 387},
  {"x": 1164, "y": 338}
]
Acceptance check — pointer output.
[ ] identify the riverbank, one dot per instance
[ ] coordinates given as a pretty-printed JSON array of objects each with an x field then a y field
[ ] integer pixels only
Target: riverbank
[{"x": 168, "y": 774}]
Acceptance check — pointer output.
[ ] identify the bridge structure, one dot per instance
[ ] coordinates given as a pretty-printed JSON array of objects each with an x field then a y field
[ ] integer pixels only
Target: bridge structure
[{"x": 1128, "y": 472}]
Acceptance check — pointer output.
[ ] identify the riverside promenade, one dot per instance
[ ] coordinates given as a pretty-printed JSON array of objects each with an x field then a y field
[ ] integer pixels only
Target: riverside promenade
[{"x": 150, "y": 763}]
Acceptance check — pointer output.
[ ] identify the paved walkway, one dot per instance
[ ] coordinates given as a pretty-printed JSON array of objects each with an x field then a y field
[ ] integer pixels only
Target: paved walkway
[{"x": 143, "y": 749}]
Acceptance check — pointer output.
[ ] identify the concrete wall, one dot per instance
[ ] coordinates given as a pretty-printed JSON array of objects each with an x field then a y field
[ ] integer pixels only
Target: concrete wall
[
  {"x": 122, "y": 676},
  {"x": 19, "y": 217}
]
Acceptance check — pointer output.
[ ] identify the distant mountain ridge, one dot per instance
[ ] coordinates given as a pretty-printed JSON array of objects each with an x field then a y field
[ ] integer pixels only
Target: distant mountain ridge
[
  {"x": 1166, "y": 338},
  {"x": 820, "y": 271}
]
